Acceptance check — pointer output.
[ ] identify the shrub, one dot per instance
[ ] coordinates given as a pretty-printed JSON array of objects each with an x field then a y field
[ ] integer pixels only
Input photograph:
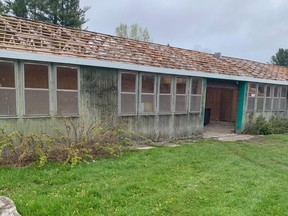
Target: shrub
[{"x": 75, "y": 143}]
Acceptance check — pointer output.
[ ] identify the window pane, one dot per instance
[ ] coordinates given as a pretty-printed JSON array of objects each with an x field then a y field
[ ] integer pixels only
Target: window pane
[
  {"x": 275, "y": 104},
  {"x": 196, "y": 86},
  {"x": 180, "y": 103},
  {"x": 283, "y": 104},
  {"x": 67, "y": 78},
  {"x": 268, "y": 104},
  {"x": 128, "y": 82},
  {"x": 195, "y": 105},
  {"x": 252, "y": 90},
  {"x": 165, "y": 103},
  {"x": 165, "y": 84},
  {"x": 148, "y": 83},
  {"x": 268, "y": 91},
  {"x": 67, "y": 103},
  {"x": 260, "y": 104},
  {"x": 147, "y": 103},
  {"x": 7, "y": 76},
  {"x": 36, "y": 76},
  {"x": 261, "y": 90},
  {"x": 284, "y": 91},
  {"x": 181, "y": 85},
  {"x": 7, "y": 102},
  {"x": 36, "y": 102},
  {"x": 251, "y": 103},
  {"x": 276, "y": 89},
  {"x": 128, "y": 103}
]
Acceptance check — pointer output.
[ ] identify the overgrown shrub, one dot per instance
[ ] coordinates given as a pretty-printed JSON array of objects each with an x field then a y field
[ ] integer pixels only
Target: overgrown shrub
[
  {"x": 73, "y": 144},
  {"x": 264, "y": 127}
]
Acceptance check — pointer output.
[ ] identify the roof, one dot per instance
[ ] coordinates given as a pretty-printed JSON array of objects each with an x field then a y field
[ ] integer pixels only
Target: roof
[{"x": 18, "y": 34}]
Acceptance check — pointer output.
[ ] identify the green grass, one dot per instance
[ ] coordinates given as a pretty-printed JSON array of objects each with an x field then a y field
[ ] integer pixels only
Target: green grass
[{"x": 200, "y": 178}]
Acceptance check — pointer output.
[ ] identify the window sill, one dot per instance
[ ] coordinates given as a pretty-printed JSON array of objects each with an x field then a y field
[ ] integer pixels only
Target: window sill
[
  {"x": 181, "y": 113},
  {"x": 194, "y": 112},
  {"x": 147, "y": 114},
  {"x": 9, "y": 117},
  {"x": 35, "y": 117},
  {"x": 68, "y": 116},
  {"x": 127, "y": 115}
]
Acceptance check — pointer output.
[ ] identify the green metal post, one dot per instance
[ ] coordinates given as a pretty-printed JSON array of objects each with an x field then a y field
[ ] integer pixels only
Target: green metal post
[{"x": 241, "y": 107}]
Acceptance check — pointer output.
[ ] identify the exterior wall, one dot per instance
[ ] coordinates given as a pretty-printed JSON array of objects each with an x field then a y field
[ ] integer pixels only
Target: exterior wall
[{"x": 253, "y": 115}]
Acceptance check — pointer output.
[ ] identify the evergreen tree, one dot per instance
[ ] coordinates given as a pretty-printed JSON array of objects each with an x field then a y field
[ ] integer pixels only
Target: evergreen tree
[
  {"x": 280, "y": 58},
  {"x": 133, "y": 31},
  {"x": 17, "y": 7}
]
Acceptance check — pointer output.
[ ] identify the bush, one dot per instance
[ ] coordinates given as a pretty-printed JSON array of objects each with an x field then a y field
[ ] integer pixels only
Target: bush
[
  {"x": 74, "y": 144},
  {"x": 263, "y": 127}
]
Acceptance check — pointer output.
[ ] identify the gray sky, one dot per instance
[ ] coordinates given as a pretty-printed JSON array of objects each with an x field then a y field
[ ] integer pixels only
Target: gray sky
[{"x": 249, "y": 29}]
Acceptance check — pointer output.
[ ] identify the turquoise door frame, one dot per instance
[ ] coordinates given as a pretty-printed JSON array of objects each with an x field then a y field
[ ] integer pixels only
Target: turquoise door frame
[{"x": 240, "y": 120}]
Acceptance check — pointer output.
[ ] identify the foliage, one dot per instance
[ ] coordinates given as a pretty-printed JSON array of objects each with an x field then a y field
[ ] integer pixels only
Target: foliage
[
  {"x": 264, "y": 127},
  {"x": 133, "y": 31},
  {"x": 280, "y": 58},
  {"x": 207, "y": 177},
  {"x": 74, "y": 144},
  {"x": 61, "y": 12}
]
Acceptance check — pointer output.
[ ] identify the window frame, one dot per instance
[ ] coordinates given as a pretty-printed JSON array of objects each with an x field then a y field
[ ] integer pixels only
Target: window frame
[
  {"x": 195, "y": 95},
  {"x": 255, "y": 97},
  {"x": 158, "y": 93},
  {"x": 283, "y": 98},
  {"x": 186, "y": 95},
  {"x": 130, "y": 93},
  {"x": 66, "y": 90},
  {"x": 36, "y": 89},
  {"x": 154, "y": 94},
  {"x": 261, "y": 97},
  {"x": 270, "y": 97},
  {"x": 278, "y": 97},
  {"x": 16, "y": 89}
]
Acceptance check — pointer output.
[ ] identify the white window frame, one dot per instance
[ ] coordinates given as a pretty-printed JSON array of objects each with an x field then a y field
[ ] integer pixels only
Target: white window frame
[
  {"x": 270, "y": 97},
  {"x": 195, "y": 95},
  {"x": 141, "y": 112},
  {"x": 36, "y": 89},
  {"x": 261, "y": 97},
  {"x": 184, "y": 95},
  {"x": 67, "y": 90},
  {"x": 255, "y": 97},
  {"x": 165, "y": 94},
  {"x": 127, "y": 93},
  {"x": 283, "y": 98},
  {"x": 11, "y": 88},
  {"x": 278, "y": 97}
]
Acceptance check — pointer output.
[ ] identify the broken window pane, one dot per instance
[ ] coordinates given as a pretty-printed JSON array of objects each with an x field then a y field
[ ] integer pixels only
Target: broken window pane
[
  {"x": 252, "y": 90},
  {"x": 165, "y": 103},
  {"x": 67, "y": 78},
  {"x": 7, "y": 76},
  {"x": 148, "y": 82},
  {"x": 261, "y": 90},
  {"x": 196, "y": 86},
  {"x": 7, "y": 102},
  {"x": 195, "y": 105},
  {"x": 67, "y": 103},
  {"x": 147, "y": 103},
  {"x": 128, "y": 82},
  {"x": 128, "y": 103},
  {"x": 180, "y": 103},
  {"x": 165, "y": 84},
  {"x": 36, "y": 76},
  {"x": 36, "y": 102},
  {"x": 181, "y": 85}
]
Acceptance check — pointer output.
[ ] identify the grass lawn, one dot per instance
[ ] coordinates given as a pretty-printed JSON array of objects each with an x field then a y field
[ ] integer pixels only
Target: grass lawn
[{"x": 200, "y": 178}]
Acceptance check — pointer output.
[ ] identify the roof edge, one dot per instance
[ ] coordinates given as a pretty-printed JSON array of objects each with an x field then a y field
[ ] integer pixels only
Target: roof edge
[{"x": 28, "y": 56}]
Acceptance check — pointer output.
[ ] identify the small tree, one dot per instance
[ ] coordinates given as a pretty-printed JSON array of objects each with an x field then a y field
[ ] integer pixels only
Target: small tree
[
  {"x": 133, "y": 31},
  {"x": 280, "y": 58},
  {"x": 18, "y": 7}
]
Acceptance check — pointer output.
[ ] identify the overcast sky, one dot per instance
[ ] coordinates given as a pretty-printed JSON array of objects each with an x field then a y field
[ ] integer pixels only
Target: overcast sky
[{"x": 250, "y": 29}]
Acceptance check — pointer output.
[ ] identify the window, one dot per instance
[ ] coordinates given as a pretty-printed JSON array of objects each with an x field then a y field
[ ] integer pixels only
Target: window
[
  {"x": 260, "y": 97},
  {"x": 276, "y": 100},
  {"x": 7, "y": 89},
  {"x": 181, "y": 95},
  {"x": 147, "y": 95},
  {"x": 251, "y": 97},
  {"x": 128, "y": 92},
  {"x": 283, "y": 98},
  {"x": 195, "y": 97},
  {"x": 165, "y": 94},
  {"x": 268, "y": 98},
  {"x": 36, "y": 90},
  {"x": 67, "y": 91}
]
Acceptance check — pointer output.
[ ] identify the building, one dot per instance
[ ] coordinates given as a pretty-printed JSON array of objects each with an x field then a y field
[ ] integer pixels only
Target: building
[{"x": 48, "y": 72}]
